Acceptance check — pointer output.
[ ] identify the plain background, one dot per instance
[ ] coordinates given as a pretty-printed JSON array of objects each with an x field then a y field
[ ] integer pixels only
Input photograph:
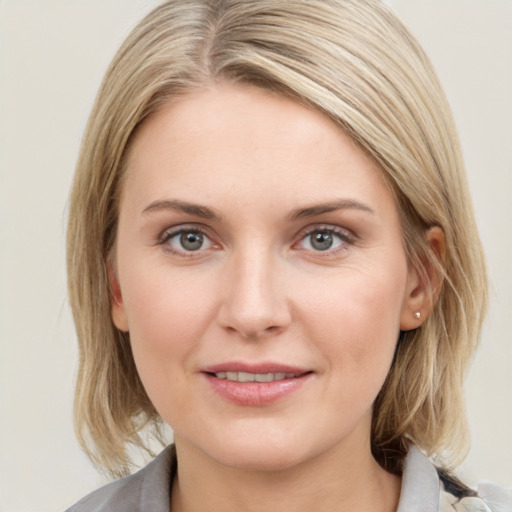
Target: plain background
[{"x": 52, "y": 57}]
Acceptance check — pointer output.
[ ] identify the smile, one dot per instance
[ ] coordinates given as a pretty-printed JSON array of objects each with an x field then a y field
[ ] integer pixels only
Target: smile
[
  {"x": 256, "y": 385},
  {"x": 254, "y": 377}
]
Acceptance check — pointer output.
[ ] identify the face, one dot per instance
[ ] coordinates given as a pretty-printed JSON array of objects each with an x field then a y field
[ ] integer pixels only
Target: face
[{"x": 261, "y": 274}]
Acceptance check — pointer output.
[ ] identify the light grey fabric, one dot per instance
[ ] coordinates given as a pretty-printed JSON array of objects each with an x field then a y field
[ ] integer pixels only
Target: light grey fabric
[
  {"x": 498, "y": 498},
  {"x": 420, "y": 484},
  {"x": 149, "y": 490},
  {"x": 422, "y": 491}
]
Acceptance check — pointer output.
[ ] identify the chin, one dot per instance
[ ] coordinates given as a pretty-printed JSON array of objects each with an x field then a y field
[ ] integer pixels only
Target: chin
[
  {"x": 263, "y": 451},
  {"x": 267, "y": 458}
]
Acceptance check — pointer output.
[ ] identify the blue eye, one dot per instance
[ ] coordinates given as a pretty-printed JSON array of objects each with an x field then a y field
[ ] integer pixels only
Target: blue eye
[
  {"x": 188, "y": 240},
  {"x": 323, "y": 240}
]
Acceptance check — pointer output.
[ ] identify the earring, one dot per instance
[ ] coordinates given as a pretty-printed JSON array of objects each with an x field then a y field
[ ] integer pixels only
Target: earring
[{"x": 417, "y": 315}]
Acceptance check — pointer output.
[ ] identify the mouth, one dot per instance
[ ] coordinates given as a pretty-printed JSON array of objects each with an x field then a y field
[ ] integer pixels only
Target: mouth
[
  {"x": 256, "y": 377},
  {"x": 255, "y": 385}
]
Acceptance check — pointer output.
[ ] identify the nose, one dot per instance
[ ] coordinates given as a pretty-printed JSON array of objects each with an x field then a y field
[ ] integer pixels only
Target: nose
[{"x": 254, "y": 299}]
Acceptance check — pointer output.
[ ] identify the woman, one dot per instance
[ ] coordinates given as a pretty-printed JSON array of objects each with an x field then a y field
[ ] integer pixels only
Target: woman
[{"x": 270, "y": 249}]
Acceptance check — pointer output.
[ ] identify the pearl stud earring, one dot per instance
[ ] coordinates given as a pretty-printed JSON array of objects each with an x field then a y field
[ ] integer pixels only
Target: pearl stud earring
[{"x": 417, "y": 315}]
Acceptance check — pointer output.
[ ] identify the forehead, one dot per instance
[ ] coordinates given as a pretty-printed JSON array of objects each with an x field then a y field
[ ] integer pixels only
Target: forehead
[
  {"x": 241, "y": 140},
  {"x": 267, "y": 119}
]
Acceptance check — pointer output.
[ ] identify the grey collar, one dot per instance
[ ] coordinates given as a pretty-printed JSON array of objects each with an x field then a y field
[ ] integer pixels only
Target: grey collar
[{"x": 420, "y": 484}]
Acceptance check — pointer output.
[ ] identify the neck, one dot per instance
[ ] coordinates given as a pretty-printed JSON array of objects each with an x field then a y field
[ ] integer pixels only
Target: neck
[{"x": 338, "y": 480}]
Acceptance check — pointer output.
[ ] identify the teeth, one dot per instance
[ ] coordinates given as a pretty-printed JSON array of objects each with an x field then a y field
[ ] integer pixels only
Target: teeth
[
  {"x": 254, "y": 377},
  {"x": 266, "y": 377}
]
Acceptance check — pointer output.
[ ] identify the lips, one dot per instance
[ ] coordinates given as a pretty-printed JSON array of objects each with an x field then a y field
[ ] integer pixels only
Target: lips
[
  {"x": 255, "y": 377},
  {"x": 255, "y": 385}
]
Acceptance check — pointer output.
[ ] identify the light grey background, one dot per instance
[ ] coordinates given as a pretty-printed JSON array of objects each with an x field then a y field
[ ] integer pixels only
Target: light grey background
[{"x": 52, "y": 57}]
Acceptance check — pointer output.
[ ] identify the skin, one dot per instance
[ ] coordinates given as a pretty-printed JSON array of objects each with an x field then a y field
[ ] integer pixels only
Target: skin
[{"x": 258, "y": 290}]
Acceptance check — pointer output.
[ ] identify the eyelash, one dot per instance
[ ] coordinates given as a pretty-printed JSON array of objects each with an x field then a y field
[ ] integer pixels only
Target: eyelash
[
  {"x": 169, "y": 234},
  {"x": 344, "y": 236}
]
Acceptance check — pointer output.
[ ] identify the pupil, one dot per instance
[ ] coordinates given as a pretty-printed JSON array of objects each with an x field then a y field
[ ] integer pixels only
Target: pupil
[
  {"x": 321, "y": 241},
  {"x": 191, "y": 241}
]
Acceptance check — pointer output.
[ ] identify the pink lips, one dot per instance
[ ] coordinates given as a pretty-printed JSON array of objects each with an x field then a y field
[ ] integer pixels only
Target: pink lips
[{"x": 272, "y": 381}]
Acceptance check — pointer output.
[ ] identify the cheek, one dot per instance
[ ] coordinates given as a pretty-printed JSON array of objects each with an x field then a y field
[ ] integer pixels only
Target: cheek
[
  {"x": 167, "y": 313},
  {"x": 355, "y": 316}
]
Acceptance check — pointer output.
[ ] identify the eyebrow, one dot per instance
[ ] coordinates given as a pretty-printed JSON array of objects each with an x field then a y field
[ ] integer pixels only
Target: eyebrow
[
  {"x": 331, "y": 206},
  {"x": 197, "y": 210},
  {"x": 204, "y": 212}
]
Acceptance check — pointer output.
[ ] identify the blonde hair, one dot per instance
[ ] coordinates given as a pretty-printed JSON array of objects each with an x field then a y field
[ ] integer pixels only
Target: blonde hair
[{"x": 354, "y": 61}]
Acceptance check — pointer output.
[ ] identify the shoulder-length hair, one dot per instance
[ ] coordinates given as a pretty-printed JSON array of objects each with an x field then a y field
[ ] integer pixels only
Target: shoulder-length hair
[{"x": 354, "y": 61}]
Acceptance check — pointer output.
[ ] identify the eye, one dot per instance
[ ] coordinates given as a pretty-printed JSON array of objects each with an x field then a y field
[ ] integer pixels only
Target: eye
[
  {"x": 324, "y": 239},
  {"x": 186, "y": 241}
]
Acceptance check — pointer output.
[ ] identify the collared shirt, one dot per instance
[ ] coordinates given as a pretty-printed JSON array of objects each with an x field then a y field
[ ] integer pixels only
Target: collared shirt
[{"x": 149, "y": 490}]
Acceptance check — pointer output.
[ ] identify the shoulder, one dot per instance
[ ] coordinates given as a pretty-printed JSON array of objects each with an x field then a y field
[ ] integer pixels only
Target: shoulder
[
  {"x": 497, "y": 498},
  {"x": 148, "y": 489},
  {"x": 424, "y": 489},
  {"x": 489, "y": 498}
]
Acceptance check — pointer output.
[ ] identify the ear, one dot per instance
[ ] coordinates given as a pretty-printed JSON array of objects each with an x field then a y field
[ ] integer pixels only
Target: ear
[
  {"x": 117, "y": 305},
  {"x": 423, "y": 284}
]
